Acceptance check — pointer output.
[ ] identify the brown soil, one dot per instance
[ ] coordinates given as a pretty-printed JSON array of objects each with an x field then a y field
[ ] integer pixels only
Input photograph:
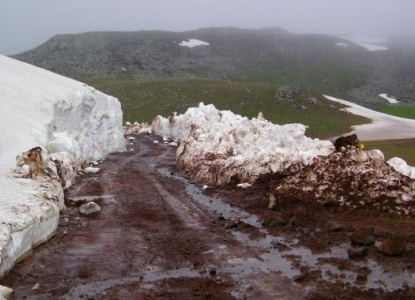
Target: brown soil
[{"x": 159, "y": 236}]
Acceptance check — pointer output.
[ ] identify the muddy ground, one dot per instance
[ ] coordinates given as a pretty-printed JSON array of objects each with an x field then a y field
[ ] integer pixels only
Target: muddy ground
[{"x": 161, "y": 236}]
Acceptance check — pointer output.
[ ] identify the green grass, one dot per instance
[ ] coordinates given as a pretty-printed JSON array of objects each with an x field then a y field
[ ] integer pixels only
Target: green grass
[
  {"x": 404, "y": 112},
  {"x": 404, "y": 149},
  {"x": 143, "y": 100}
]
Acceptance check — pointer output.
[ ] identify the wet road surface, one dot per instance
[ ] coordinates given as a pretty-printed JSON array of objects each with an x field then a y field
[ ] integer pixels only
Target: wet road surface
[{"x": 151, "y": 240}]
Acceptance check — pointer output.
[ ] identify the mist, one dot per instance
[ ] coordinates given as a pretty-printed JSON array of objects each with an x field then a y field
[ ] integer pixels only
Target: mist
[{"x": 26, "y": 24}]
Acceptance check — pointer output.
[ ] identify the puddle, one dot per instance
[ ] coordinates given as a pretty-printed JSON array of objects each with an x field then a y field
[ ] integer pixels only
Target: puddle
[
  {"x": 90, "y": 198},
  {"x": 89, "y": 290},
  {"x": 274, "y": 260}
]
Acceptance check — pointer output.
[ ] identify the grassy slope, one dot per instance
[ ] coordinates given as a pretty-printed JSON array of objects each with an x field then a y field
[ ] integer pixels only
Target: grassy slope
[
  {"x": 143, "y": 100},
  {"x": 404, "y": 112},
  {"x": 401, "y": 148}
]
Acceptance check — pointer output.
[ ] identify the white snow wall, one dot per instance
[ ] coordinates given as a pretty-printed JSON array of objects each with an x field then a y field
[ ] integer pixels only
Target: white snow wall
[
  {"x": 218, "y": 146},
  {"x": 75, "y": 124}
]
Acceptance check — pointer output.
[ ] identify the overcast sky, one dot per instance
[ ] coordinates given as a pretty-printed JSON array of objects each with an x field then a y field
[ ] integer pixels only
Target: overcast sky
[{"x": 25, "y": 24}]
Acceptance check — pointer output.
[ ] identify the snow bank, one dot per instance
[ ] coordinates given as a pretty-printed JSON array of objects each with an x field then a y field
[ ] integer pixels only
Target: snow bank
[
  {"x": 65, "y": 117},
  {"x": 192, "y": 43},
  {"x": 384, "y": 126},
  {"x": 220, "y": 146},
  {"x": 391, "y": 100}
]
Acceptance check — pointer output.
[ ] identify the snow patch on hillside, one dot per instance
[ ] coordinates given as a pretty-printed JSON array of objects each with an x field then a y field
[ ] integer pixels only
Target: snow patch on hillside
[
  {"x": 390, "y": 99},
  {"x": 220, "y": 146},
  {"x": 383, "y": 127},
  {"x": 342, "y": 45},
  {"x": 72, "y": 122},
  {"x": 192, "y": 43},
  {"x": 371, "y": 44}
]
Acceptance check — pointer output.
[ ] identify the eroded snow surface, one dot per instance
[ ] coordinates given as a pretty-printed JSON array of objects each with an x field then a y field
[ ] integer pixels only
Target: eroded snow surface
[
  {"x": 72, "y": 123},
  {"x": 220, "y": 146}
]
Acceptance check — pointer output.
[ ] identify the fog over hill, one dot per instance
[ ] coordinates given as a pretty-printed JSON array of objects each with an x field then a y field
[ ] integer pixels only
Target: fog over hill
[{"x": 323, "y": 63}]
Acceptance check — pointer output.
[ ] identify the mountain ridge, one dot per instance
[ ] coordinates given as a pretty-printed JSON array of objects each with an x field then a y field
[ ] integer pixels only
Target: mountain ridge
[{"x": 269, "y": 55}]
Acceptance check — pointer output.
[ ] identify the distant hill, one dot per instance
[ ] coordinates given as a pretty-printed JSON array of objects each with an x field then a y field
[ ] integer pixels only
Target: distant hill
[{"x": 321, "y": 63}]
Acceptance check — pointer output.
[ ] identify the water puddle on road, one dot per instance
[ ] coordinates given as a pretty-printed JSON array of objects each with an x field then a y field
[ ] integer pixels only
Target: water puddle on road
[
  {"x": 89, "y": 198},
  {"x": 146, "y": 280},
  {"x": 275, "y": 260}
]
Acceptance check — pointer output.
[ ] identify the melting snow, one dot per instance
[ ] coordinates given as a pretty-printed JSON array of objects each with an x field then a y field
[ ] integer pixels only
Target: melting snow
[
  {"x": 391, "y": 100},
  {"x": 218, "y": 146},
  {"x": 72, "y": 122},
  {"x": 383, "y": 127},
  {"x": 370, "y": 44},
  {"x": 342, "y": 45},
  {"x": 193, "y": 43}
]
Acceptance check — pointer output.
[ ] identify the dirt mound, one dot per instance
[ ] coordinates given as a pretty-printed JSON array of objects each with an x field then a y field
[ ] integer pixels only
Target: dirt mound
[{"x": 354, "y": 179}]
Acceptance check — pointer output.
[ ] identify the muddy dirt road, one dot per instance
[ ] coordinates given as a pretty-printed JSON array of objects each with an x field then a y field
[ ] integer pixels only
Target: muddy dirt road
[{"x": 159, "y": 236}]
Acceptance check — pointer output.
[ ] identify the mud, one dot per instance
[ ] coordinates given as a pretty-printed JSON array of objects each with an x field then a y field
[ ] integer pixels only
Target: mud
[{"x": 161, "y": 236}]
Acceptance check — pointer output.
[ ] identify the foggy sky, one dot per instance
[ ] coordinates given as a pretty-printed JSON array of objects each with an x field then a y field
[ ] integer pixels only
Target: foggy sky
[{"x": 25, "y": 24}]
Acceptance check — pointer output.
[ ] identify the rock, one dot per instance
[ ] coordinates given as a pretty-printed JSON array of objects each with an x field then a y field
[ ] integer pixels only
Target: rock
[
  {"x": 358, "y": 155},
  {"x": 272, "y": 201},
  {"x": 91, "y": 170},
  {"x": 376, "y": 155},
  {"x": 345, "y": 142},
  {"x": 293, "y": 222},
  {"x": 244, "y": 185},
  {"x": 89, "y": 208},
  {"x": 273, "y": 221},
  {"x": 302, "y": 276},
  {"x": 361, "y": 278},
  {"x": 357, "y": 252},
  {"x": 230, "y": 224},
  {"x": 277, "y": 222},
  {"x": 363, "y": 236},
  {"x": 5, "y": 292},
  {"x": 394, "y": 246},
  {"x": 212, "y": 272},
  {"x": 36, "y": 286},
  {"x": 334, "y": 226}
]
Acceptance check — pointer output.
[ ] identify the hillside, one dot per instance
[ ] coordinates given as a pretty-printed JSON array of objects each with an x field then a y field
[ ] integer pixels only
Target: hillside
[
  {"x": 143, "y": 100},
  {"x": 315, "y": 62},
  {"x": 321, "y": 63}
]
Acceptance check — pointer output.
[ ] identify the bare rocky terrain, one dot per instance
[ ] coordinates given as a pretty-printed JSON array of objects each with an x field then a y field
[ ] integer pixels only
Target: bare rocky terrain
[{"x": 161, "y": 236}]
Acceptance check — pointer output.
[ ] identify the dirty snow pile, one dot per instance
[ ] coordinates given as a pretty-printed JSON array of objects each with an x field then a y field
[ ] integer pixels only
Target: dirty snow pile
[
  {"x": 136, "y": 128},
  {"x": 72, "y": 123},
  {"x": 355, "y": 179},
  {"x": 218, "y": 147}
]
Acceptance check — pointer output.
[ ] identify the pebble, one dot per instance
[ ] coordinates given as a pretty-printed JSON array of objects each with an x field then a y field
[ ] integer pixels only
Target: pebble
[
  {"x": 230, "y": 224},
  {"x": 357, "y": 252},
  {"x": 89, "y": 208},
  {"x": 363, "y": 236},
  {"x": 394, "y": 246},
  {"x": 334, "y": 226},
  {"x": 91, "y": 170}
]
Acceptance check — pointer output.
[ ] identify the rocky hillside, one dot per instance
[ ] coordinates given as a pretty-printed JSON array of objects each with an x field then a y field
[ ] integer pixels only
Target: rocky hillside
[{"x": 317, "y": 62}]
